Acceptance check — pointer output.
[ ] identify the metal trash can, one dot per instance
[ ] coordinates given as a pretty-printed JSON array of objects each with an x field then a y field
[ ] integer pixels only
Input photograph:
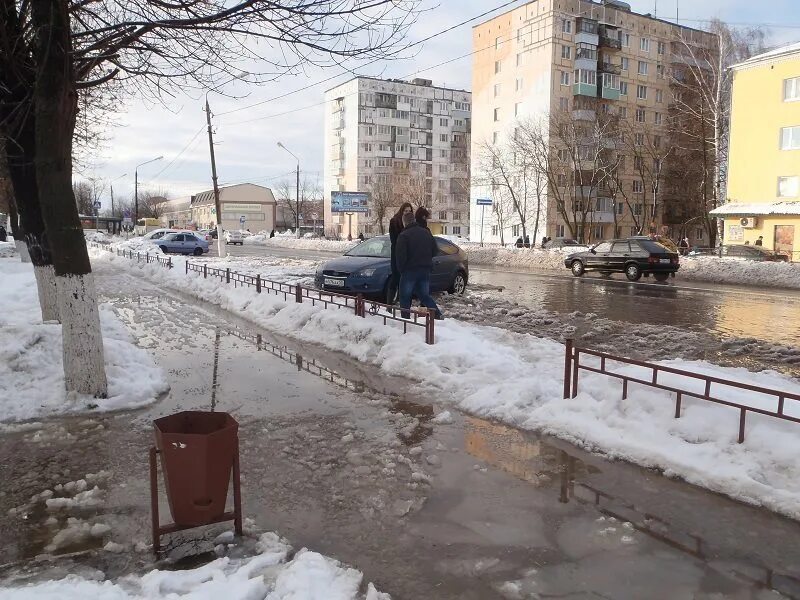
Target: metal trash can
[{"x": 198, "y": 450}]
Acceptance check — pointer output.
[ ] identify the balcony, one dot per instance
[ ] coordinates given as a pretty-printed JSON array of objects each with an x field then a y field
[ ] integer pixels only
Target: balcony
[
  {"x": 584, "y": 89},
  {"x": 609, "y": 93},
  {"x": 607, "y": 67},
  {"x": 610, "y": 43},
  {"x": 584, "y": 114}
]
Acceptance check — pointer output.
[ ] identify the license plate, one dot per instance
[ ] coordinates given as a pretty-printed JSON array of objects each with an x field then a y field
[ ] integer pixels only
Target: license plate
[
  {"x": 333, "y": 282},
  {"x": 665, "y": 261}
]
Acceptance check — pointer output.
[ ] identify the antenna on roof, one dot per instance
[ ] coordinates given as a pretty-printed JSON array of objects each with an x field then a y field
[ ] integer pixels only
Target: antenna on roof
[
  {"x": 677, "y": 11},
  {"x": 655, "y": 9}
]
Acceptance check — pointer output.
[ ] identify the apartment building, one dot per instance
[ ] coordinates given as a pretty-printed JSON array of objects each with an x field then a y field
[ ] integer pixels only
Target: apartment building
[
  {"x": 399, "y": 141},
  {"x": 586, "y": 62},
  {"x": 764, "y": 167}
]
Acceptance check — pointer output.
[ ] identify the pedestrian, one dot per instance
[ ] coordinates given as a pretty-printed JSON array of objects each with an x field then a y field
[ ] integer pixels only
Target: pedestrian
[
  {"x": 272, "y": 233},
  {"x": 361, "y": 236},
  {"x": 3, "y": 234},
  {"x": 349, "y": 237},
  {"x": 395, "y": 228},
  {"x": 760, "y": 241},
  {"x": 527, "y": 241},
  {"x": 519, "y": 242},
  {"x": 747, "y": 242},
  {"x": 684, "y": 246},
  {"x": 416, "y": 248}
]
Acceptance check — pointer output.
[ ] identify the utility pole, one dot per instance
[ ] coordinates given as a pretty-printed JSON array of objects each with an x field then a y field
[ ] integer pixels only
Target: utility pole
[{"x": 220, "y": 241}]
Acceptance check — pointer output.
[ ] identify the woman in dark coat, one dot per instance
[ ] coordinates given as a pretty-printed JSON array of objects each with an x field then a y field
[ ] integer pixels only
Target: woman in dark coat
[{"x": 395, "y": 228}]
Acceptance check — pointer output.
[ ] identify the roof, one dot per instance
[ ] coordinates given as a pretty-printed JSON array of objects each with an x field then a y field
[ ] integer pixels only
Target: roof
[
  {"x": 400, "y": 81},
  {"x": 208, "y": 195},
  {"x": 757, "y": 209},
  {"x": 774, "y": 54}
]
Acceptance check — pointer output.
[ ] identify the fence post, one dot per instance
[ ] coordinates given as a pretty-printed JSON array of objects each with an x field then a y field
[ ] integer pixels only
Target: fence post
[
  {"x": 186, "y": 266},
  {"x": 138, "y": 257},
  {"x": 430, "y": 338},
  {"x": 360, "y": 305},
  {"x": 298, "y": 294},
  {"x": 169, "y": 262},
  {"x": 567, "y": 367},
  {"x": 228, "y": 275},
  {"x": 575, "y": 369},
  {"x": 258, "y": 283},
  {"x": 205, "y": 270},
  {"x": 742, "y": 415}
]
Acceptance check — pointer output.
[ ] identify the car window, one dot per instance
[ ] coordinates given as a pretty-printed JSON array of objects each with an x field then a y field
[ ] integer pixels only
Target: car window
[
  {"x": 604, "y": 247},
  {"x": 621, "y": 247},
  {"x": 178, "y": 237},
  {"x": 446, "y": 247},
  {"x": 737, "y": 250},
  {"x": 651, "y": 246},
  {"x": 377, "y": 247},
  {"x": 157, "y": 235}
]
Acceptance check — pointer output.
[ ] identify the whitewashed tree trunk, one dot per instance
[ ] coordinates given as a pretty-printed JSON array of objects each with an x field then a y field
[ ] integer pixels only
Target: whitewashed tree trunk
[
  {"x": 84, "y": 365},
  {"x": 48, "y": 294},
  {"x": 22, "y": 248}
]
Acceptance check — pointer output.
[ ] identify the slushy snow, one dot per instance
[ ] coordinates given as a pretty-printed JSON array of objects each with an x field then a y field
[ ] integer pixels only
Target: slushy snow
[
  {"x": 31, "y": 371},
  {"x": 518, "y": 378}
]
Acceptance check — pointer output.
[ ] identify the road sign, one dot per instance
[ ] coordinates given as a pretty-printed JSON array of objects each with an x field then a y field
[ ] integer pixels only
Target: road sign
[
  {"x": 483, "y": 201},
  {"x": 242, "y": 219},
  {"x": 97, "y": 205}
]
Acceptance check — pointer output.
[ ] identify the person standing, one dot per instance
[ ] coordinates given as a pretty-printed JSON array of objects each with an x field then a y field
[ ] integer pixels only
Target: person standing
[
  {"x": 416, "y": 248},
  {"x": 3, "y": 234},
  {"x": 395, "y": 229},
  {"x": 760, "y": 241}
]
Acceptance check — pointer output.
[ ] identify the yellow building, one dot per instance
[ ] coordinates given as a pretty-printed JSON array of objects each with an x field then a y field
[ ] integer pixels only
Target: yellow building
[{"x": 764, "y": 164}]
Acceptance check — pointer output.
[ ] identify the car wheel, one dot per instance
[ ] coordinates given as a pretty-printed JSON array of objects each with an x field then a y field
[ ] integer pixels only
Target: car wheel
[
  {"x": 577, "y": 268},
  {"x": 198, "y": 251},
  {"x": 661, "y": 276},
  {"x": 633, "y": 272},
  {"x": 459, "y": 285},
  {"x": 164, "y": 249}
]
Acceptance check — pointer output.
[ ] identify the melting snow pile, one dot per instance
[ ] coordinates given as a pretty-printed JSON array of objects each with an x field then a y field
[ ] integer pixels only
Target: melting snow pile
[
  {"x": 269, "y": 575},
  {"x": 745, "y": 272},
  {"x": 288, "y": 241},
  {"x": 7, "y": 249},
  {"x": 31, "y": 372},
  {"x": 518, "y": 378}
]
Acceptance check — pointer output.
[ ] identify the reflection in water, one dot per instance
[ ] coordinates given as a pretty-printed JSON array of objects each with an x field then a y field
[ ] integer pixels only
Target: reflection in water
[{"x": 530, "y": 459}]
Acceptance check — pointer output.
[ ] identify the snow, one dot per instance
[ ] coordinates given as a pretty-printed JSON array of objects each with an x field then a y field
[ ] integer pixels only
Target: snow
[
  {"x": 7, "y": 249},
  {"x": 268, "y": 575},
  {"x": 31, "y": 372},
  {"x": 781, "y": 207},
  {"x": 518, "y": 378},
  {"x": 289, "y": 241},
  {"x": 741, "y": 272}
]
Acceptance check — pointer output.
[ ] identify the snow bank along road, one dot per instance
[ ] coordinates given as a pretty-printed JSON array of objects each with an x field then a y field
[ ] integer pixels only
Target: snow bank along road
[{"x": 517, "y": 378}]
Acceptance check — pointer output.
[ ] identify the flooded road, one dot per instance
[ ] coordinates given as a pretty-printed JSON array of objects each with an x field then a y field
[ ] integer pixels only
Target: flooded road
[{"x": 341, "y": 459}]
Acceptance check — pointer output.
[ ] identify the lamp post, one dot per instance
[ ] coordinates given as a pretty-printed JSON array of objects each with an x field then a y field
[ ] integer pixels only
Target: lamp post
[
  {"x": 297, "y": 201},
  {"x": 136, "y": 188}
]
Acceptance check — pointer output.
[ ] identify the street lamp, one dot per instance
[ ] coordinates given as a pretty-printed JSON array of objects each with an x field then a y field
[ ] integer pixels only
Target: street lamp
[
  {"x": 136, "y": 188},
  {"x": 297, "y": 202}
]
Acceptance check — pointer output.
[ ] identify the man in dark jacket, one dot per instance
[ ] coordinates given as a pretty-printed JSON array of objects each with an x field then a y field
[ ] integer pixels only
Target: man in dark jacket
[
  {"x": 395, "y": 228},
  {"x": 416, "y": 248}
]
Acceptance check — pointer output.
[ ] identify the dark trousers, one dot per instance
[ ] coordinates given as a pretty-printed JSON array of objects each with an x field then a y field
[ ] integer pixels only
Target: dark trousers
[
  {"x": 394, "y": 283},
  {"x": 416, "y": 282}
]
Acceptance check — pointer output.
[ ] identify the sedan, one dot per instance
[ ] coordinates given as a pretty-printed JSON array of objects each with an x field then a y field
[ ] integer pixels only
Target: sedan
[
  {"x": 234, "y": 237},
  {"x": 183, "y": 243},
  {"x": 633, "y": 256},
  {"x": 366, "y": 269},
  {"x": 758, "y": 253}
]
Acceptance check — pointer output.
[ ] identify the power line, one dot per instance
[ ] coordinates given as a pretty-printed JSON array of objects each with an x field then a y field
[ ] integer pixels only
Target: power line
[
  {"x": 332, "y": 77},
  {"x": 186, "y": 147}
]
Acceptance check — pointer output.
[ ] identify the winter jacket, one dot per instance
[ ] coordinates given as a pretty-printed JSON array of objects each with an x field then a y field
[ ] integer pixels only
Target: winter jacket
[
  {"x": 395, "y": 229},
  {"x": 416, "y": 248}
]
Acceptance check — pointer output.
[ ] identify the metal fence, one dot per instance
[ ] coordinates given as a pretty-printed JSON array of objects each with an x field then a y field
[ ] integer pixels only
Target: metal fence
[
  {"x": 417, "y": 317},
  {"x": 573, "y": 365}
]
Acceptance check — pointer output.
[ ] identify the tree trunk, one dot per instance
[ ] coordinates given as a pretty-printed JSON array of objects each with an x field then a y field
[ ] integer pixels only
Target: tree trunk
[{"x": 55, "y": 101}]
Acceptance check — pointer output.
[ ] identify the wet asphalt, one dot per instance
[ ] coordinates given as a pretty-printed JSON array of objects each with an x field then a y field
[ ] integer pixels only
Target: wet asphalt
[{"x": 349, "y": 462}]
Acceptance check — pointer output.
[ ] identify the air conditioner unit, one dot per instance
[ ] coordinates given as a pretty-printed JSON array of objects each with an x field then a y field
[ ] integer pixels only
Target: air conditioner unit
[{"x": 748, "y": 222}]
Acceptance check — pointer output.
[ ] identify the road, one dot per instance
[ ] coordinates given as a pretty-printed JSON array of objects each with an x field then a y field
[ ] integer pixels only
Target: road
[
  {"x": 329, "y": 449},
  {"x": 723, "y": 311}
]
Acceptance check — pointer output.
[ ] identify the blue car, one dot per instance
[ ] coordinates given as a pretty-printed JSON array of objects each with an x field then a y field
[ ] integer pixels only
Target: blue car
[
  {"x": 183, "y": 243},
  {"x": 366, "y": 269}
]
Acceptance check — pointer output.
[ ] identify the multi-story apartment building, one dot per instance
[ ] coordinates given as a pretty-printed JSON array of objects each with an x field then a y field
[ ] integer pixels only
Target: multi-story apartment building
[
  {"x": 399, "y": 141},
  {"x": 604, "y": 73},
  {"x": 764, "y": 167}
]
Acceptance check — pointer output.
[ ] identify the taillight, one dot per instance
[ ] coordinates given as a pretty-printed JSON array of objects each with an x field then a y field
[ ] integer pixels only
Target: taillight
[
  {"x": 653, "y": 260},
  {"x": 675, "y": 260}
]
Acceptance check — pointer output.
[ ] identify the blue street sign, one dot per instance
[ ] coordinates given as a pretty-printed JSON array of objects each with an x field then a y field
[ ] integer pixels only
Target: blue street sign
[{"x": 484, "y": 201}]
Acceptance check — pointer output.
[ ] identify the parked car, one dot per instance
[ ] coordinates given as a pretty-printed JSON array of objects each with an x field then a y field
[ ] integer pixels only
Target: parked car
[
  {"x": 211, "y": 234},
  {"x": 187, "y": 242},
  {"x": 758, "y": 253},
  {"x": 157, "y": 234},
  {"x": 664, "y": 241},
  {"x": 234, "y": 237},
  {"x": 562, "y": 243},
  {"x": 366, "y": 269},
  {"x": 632, "y": 256}
]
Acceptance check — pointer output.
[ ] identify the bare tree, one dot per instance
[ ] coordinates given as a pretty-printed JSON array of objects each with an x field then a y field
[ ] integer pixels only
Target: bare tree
[
  {"x": 310, "y": 198},
  {"x": 52, "y": 49}
]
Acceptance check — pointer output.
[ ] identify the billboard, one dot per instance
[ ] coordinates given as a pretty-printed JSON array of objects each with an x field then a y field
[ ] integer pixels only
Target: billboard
[{"x": 349, "y": 202}]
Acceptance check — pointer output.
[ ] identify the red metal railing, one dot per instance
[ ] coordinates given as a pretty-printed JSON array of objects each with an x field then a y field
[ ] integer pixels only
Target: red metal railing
[
  {"x": 573, "y": 365},
  {"x": 418, "y": 317}
]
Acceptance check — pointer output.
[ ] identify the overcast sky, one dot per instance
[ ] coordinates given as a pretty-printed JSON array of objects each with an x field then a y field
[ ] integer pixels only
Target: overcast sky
[{"x": 247, "y": 140}]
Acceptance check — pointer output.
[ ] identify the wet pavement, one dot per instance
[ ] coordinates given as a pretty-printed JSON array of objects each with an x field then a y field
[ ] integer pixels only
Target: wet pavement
[{"x": 346, "y": 461}]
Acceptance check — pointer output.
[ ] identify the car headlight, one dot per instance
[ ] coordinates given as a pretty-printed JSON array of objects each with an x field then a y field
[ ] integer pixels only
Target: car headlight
[{"x": 366, "y": 272}]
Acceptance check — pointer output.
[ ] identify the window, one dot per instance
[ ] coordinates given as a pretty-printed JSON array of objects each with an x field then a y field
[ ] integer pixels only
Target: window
[
  {"x": 643, "y": 67},
  {"x": 564, "y": 78},
  {"x": 367, "y": 147},
  {"x": 401, "y": 147},
  {"x": 456, "y": 231},
  {"x": 662, "y": 47},
  {"x": 626, "y": 40},
  {"x": 563, "y": 154},
  {"x": 520, "y": 59},
  {"x": 445, "y": 122},
  {"x": 790, "y": 138},
  {"x": 610, "y": 81},
  {"x": 584, "y": 76},
  {"x": 443, "y": 137},
  {"x": 660, "y": 71},
  {"x": 788, "y": 187},
  {"x": 516, "y": 108},
  {"x": 462, "y": 106},
  {"x": 496, "y": 90},
  {"x": 620, "y": 208},
  {"x": 497, "y": 42},
  {"x": 562, "y": 180},
  {"x": 458, "y": 122},
  {"x": 644, "y": 45},
  {"x": 699, "y": 233},
  {"x": 566, "y": 52},
  {"x": 495, "y": 137},
  {"x": 519, "y": 84},
  {"x": 637, "y": 208},
  {"x": 443, "y": 215},
  {"x": 641, "y": 115},
  {"x": 658, "y": 119},
  {"x": 586, "y": 51},
  {"x": 443, "y": 168},
  {"x": 623, "y": 88},
  {"x": 625, "y": 63},
  {"x": 638, "y": 164},
  {"x": 497, "y": 66},
  {"x": 791, "y": 89},
  {"x": 660, "y": 96},
  {"x": 641, "y": 92},
  {"x": 495, "y": 230},
  {"x": 496, "y": 115},
  {"x": 566, "y": 26},
  {"x": 623, "y": 112},
  {"x": 384, "y": 129},
  {"x": 515, "y": 230},
  {"x": 597, "y": 233},
  {"x": 368, "y": 163},
  {"x": 560, "y": 230},
  {"x": 563, "y": 103},
  {"x": 639, "y": 139}
]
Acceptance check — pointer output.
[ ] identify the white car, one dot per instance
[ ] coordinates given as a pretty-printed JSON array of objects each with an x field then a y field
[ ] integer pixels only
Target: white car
[
  {"x": 234, "y": 237},
  {"x": 157, "y": 234}
]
